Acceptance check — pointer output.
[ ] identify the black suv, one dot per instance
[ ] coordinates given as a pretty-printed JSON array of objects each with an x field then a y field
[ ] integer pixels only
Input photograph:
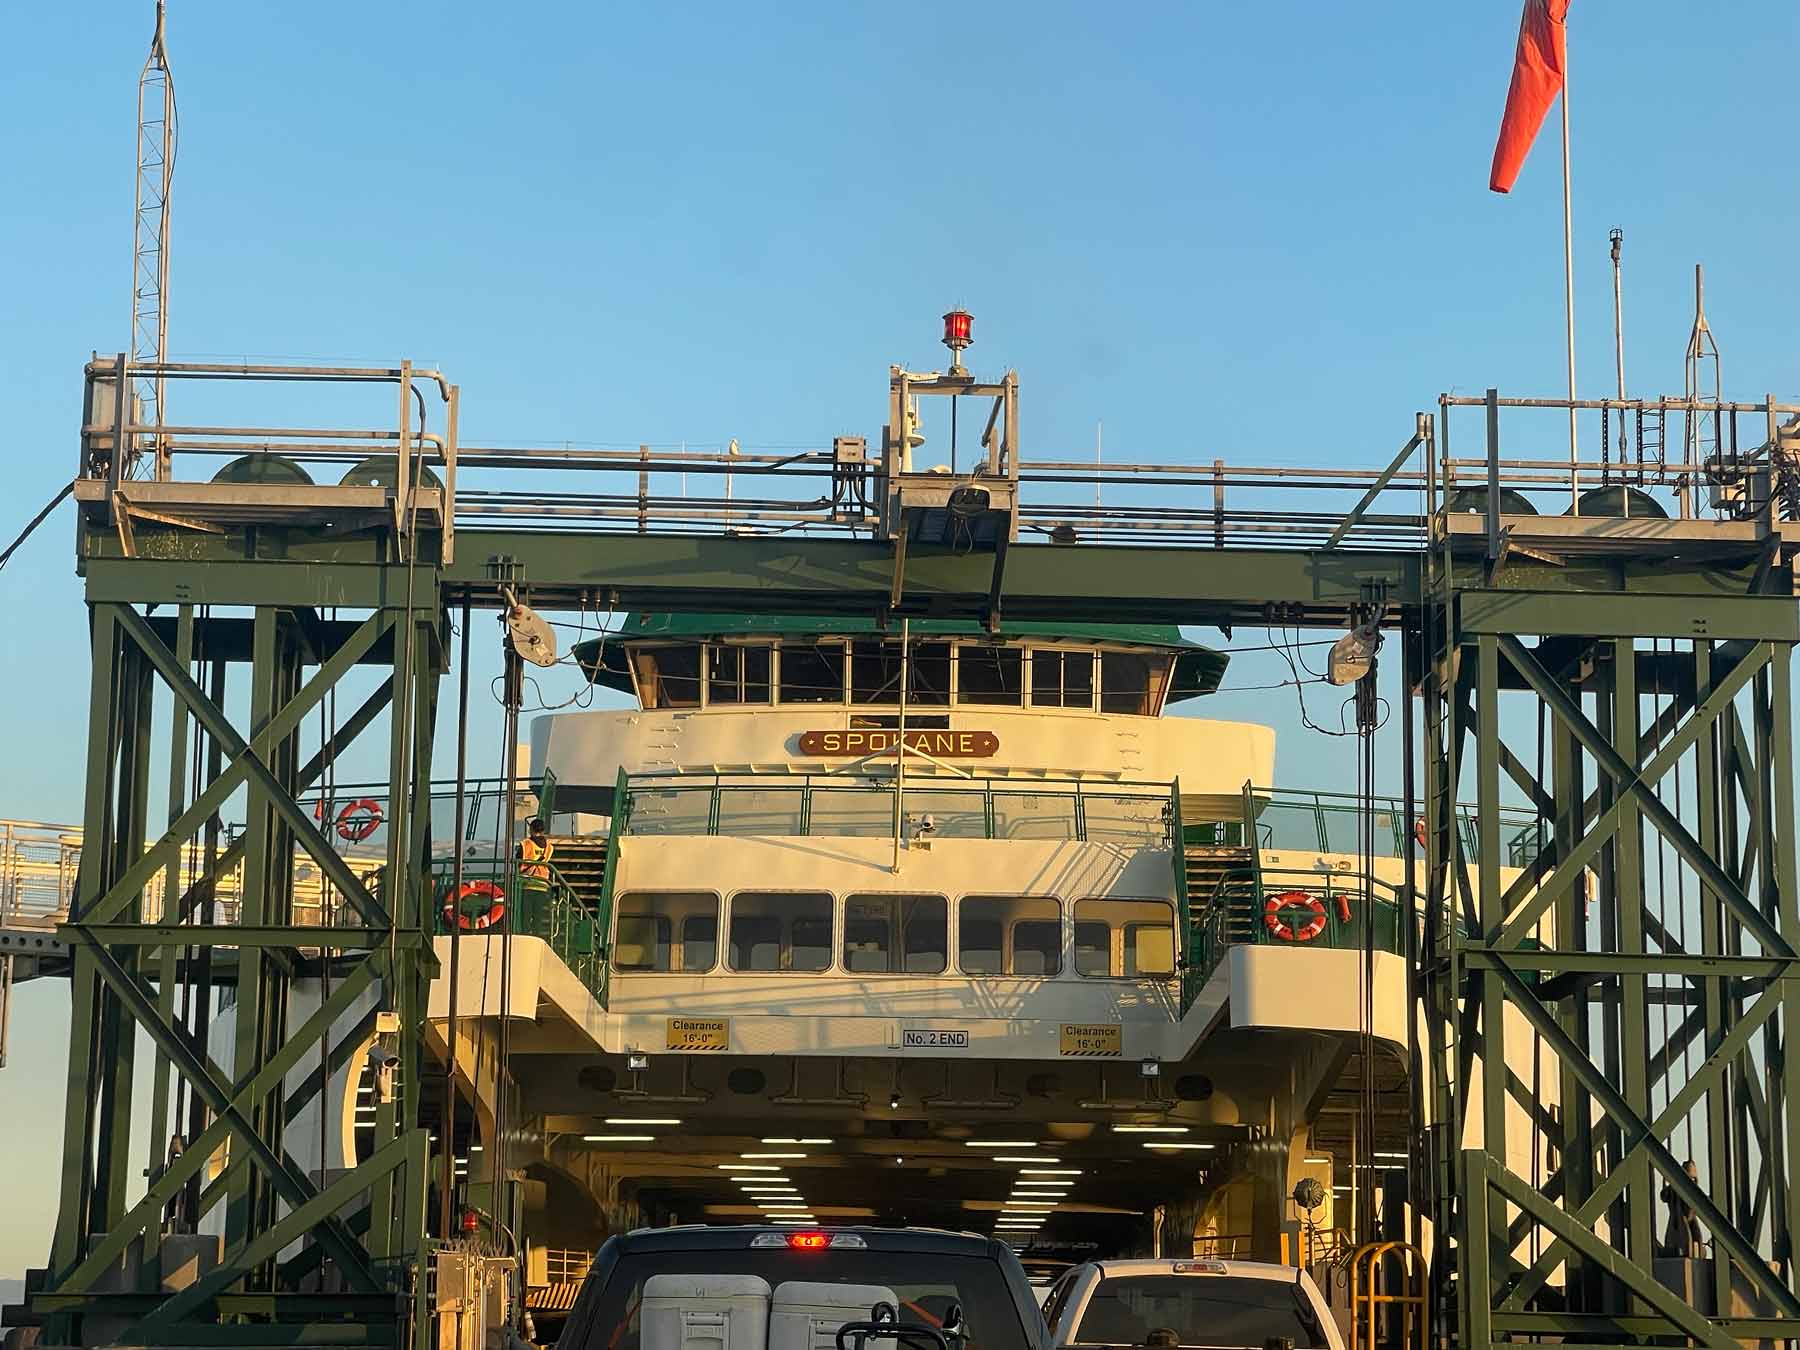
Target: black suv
[{"x": 928, "y": 1269}]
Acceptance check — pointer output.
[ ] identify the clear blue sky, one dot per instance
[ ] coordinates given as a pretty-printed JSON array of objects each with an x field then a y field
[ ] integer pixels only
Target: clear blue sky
[{"x": 1259, "y": 232}]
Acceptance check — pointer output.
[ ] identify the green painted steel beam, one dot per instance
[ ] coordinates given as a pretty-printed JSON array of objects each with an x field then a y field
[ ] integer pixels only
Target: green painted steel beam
[
  {"x": 1602, "y": 963},
  {"x": 1774, "y": 618},
  {"x": 224, "y": 580},
  {"x": 249, "y": 935},
  {"x": 785, "y": 574}
]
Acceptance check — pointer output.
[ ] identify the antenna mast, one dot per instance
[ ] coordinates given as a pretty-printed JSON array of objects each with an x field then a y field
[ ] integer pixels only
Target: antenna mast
[
  {"x": 1702, "y": 352},
  {"x": 156, "y": 138}
]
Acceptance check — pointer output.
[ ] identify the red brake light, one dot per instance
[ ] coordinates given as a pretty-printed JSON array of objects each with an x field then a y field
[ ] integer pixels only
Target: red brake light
[{"x": 808, "y": 1242}]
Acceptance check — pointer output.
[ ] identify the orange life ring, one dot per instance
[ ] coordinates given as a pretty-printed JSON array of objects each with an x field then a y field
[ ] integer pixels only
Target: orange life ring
[
  {"x": 1274, "y": 907},
  {"x": 360, "y": 819},
  {"x": 456, "y": 916}
]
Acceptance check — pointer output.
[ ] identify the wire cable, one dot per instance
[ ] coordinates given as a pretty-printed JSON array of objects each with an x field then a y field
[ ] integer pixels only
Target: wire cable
[{"x": 36, "y": 521}]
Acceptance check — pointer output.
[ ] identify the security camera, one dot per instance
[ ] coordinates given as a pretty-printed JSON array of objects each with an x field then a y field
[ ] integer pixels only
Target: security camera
[{"x": 383, "y": 1063}]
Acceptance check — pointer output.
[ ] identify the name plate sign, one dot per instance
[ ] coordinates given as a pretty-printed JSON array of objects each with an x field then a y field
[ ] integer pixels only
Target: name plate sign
[{"x": 854, "y": 744}]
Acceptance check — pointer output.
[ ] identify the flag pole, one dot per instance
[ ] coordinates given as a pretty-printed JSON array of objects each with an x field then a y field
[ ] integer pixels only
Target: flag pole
[{"x": 1569, "y": 292}]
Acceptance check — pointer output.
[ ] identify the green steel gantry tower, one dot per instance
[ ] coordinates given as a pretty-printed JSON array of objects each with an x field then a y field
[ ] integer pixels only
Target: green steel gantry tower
[{"x": 1643, "y": 649}]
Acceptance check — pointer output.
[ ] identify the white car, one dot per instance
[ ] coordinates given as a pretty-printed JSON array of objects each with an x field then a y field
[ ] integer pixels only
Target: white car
[{"x": 1195, "y": 1302}]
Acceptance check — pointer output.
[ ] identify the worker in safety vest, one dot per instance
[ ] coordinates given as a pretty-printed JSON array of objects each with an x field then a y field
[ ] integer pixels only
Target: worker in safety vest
[{"x": 535, "y": 850}]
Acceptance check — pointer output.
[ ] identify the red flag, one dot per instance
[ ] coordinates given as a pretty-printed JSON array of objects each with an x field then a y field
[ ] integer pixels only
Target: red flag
[{"x": 1537, "y": 79}]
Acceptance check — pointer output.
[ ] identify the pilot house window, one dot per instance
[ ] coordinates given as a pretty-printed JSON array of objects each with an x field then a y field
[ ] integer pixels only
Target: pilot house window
[
  {"x": 1062, "y": 679},
  {"x": 875, "y": 669},
  {"x": 812, "y": 672},
  {"x": 1132, "y": 682},
  {"x": 737, "y": 674},
  {"x": 669, "y": 677},
  {"x": 990, "y": 675},
  {"x": 780, "y": 930}
]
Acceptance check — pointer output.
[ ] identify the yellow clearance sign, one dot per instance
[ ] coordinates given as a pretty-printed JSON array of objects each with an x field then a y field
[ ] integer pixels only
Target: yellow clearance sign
[
  {"x": 699, "y": 1033},
  {"x": 855, "y": 743},
  {"x": 1093, "y": 1040}
]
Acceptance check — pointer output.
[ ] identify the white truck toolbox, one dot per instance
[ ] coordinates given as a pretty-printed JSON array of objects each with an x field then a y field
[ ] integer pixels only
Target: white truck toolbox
[
  {"x": 806, "y": 1315},
  {"x": 705, "y": 1312}
]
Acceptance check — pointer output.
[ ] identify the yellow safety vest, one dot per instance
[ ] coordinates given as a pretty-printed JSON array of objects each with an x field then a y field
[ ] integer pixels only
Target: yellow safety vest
[{"x": 535, "y": 860}]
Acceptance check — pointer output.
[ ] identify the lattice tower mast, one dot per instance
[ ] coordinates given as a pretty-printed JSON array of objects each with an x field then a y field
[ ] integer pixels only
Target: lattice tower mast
[{"x": 157, "y": 133}]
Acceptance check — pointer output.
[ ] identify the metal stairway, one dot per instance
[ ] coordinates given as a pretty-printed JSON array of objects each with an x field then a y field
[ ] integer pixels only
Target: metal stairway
[
  {"x": 1207, "y": 866},
  {"x": 580, "y": 860}
]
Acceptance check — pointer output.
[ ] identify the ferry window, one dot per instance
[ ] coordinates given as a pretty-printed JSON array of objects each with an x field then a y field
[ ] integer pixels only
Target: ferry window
[
  {"x": 1062, "y": 679},
  {"x": 700, "y": 940},
  {"x": 737, "y": 674},
  {"x": 812, "y": 672},
  {"x": 990, "y": 675},
  {"x": 896, "y": 934},
  {"x": 1093, "y": 946},
  {"x": 647, "y": 925},
  {"x": 780, "y": 930},
  {"x": 1124, "y": 938},
  {"x": 1125, "y": 682},
  {"x": 669, "y": 677},
  {"x": 929, "y": 680},
  {"x": 875, "y": 673},
  {"x": 1009, "y": 936}
]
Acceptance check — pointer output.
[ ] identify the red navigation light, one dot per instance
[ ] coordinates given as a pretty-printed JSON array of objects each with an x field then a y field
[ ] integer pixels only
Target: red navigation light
[
  {"x": 959, "y": 329},
  {"x": 471, "y": 1221},
  {"x": 809, "y": 1242}
]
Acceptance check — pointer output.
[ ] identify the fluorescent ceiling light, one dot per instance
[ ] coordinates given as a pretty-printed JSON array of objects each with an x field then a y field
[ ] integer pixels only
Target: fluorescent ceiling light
[
  {"x": 1380, "y": 1154},
  {"x": 1316, "y": 1159},
  {"x": 747, "y": 1167},
  {"x": 642, "y": 1120},
  {"x": 999, "y": 1143},
  {"x": 619, "y": 1138},
  {"x": 771, "y": 1155},
  {"x": 1049, "y": 1171},
  {"x": 1150, "y": 1129},
  {"x": 797, "y": 1141},
  {"x": 1167, "y": 1146}
]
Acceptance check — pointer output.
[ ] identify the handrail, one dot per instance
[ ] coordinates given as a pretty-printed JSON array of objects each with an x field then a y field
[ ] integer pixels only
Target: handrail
[{"x": 1079, "y": 793}]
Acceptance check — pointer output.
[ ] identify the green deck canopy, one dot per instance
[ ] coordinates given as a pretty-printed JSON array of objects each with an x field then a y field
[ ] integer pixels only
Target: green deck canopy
[{"x": 1198, "y": 668}]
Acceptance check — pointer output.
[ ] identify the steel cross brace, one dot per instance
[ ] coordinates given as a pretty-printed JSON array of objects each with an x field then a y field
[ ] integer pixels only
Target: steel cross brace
[
  {"x": 1525, "y": 912},
  {"x": 202, "y": 886},
  {"x": 1704, "y": 1079},
  {"x": 165, "y": 1187},
  {"x": 1486, "y": 1176},
  {"x": 404, "y": 1152},
  {"x": 246, "y": 762},
  {"x": 1647, "y": 1140},
  {"x": 293, "y": 1184}
]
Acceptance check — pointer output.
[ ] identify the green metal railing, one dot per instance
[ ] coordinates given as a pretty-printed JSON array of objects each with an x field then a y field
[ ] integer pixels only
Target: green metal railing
[
  {"x": 1330, "y": 822},
  {"x": 1126, "y": 812},
  {"x": 1233, "y": 916},
  {"x": 572, "y": 929}
]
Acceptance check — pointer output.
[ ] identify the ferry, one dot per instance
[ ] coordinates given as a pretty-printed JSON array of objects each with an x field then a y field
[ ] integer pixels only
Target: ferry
[{"x": 980, "y": 929}]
